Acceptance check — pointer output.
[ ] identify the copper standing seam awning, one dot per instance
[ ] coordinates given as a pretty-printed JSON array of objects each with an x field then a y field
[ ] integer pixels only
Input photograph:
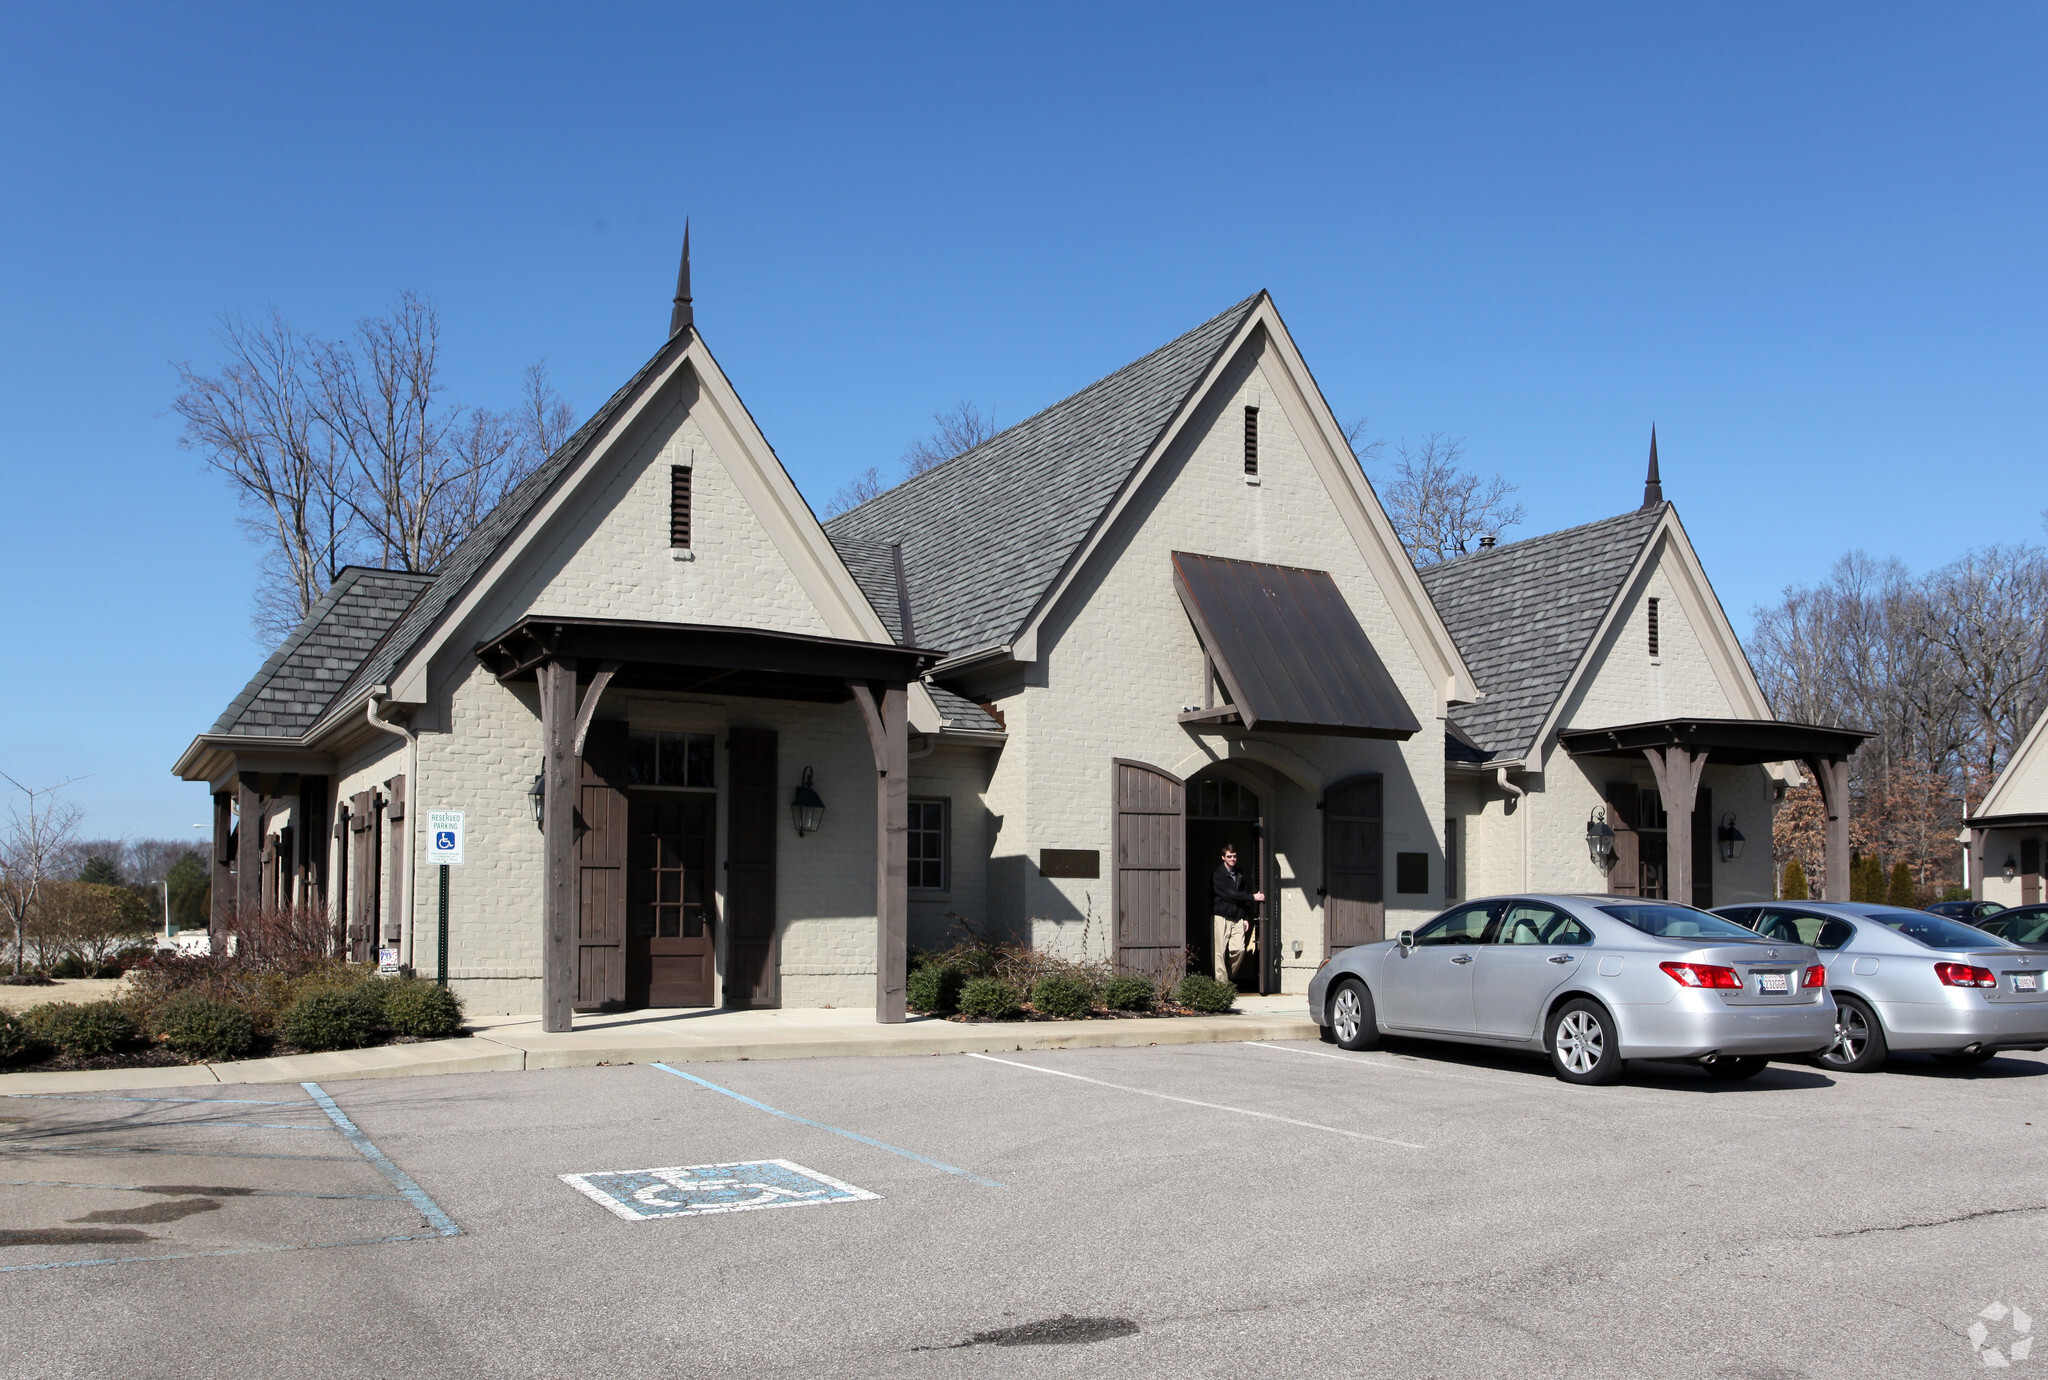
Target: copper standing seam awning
[{"x": 1289, "y": 651}]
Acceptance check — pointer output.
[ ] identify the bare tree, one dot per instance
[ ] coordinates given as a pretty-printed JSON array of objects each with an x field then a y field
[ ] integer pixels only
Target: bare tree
[
  {"x": 258, "y": 423},
  {"x": 959, "y": 428},
  {"x": 1984, "y": 613},
  {"x": 855, "y": 491},
  {"x": 1439, "y": 509},
  {"x": 1364, "y": 450},
  {"x": 35, "y": 840},
  {"x": 349, "y": 450}
]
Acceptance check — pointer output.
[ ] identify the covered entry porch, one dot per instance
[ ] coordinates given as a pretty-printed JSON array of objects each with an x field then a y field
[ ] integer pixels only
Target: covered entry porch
[{"x": 597, "y": 911}]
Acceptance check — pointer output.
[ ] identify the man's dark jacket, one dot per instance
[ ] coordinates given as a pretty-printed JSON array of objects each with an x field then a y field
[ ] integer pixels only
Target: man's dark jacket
[{"x": 1233, "y": 899}]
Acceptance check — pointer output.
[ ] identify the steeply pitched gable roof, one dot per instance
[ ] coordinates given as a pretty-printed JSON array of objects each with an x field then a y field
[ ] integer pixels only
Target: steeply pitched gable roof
[
  {"x": 1524, "y": 615},
  {"x": 298, "y": 681},
  {"x": 987, "y": 533},
  {"x": 873, "y": 568}
]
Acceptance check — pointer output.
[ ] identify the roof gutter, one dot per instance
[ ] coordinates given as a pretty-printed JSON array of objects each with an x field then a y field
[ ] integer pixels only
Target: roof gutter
[{"x": 378, "y": 703}]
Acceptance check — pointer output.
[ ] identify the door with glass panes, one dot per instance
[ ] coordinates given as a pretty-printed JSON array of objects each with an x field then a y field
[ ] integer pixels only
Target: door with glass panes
[{"x": 671, "y": 812}]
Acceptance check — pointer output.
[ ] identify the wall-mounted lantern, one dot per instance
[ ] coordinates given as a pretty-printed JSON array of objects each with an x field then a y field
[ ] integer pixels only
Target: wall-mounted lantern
[
  {"x": 538, "y": 794},
  {"x": 1600, "y": 838},
  {"x": 1731, "y": 838},
  {"x": 2012, "y": 867},
  {"x": 806, "y": 810}
]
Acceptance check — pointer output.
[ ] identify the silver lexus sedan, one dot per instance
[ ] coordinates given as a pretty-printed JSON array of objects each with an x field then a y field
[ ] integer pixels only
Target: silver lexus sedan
[
  {"x": 1591, "y": 980},
  {"x": 1908, "y": 980}
]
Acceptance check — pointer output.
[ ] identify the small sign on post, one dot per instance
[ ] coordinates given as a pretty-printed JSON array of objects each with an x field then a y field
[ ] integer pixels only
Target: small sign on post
[{"x": 444, "y": 837}]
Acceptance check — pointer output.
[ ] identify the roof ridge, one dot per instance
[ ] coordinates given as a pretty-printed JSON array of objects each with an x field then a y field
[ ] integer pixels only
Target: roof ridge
[
  {"x": 1467, "y": 560},
  {"x": 1141, "y": 360}
]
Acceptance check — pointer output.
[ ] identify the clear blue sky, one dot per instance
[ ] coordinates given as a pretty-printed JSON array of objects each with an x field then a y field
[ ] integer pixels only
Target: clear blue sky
[{"x": 1806, "y": 240}]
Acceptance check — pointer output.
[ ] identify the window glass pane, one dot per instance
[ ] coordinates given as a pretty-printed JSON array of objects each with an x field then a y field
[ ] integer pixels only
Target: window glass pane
[
  {"x": 671, "y": 922},
  {"x": 1526, "y": 923},
  {"x": 670, "y": 771},
  {"x": 640, "y": 759},
  {"x": 1466, "y": 925},
  {"x": 699, "y": 769},
  {"x": 927, "y": 845},
  {"x": 1678, "y": 922},
  {"x": 1933, "y": 931}
]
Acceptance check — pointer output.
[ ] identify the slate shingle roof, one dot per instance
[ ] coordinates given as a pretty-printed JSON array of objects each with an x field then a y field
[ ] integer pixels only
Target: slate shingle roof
[
  {"x": 874, "y": 570},
  {"x": 986, "y": 533},
  {"x": 1524, "y": 614},
  {"x": 300, "y": 678}
]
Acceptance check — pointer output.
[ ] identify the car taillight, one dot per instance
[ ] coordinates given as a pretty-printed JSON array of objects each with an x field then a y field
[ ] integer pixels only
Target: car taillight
[
  {"x": 1965, "y": 975},
  {"x": 1702, "y": 975},
  {"x": 1816, "y": 976}
]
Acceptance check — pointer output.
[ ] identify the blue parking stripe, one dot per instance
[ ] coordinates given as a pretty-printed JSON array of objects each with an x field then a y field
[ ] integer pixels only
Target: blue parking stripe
[
  {"x": 442, "y": 1224},
  {"x": 850, "y": 1135}
]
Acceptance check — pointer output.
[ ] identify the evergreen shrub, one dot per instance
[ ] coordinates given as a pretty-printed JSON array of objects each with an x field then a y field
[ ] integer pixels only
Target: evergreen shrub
[
  {"x": 1062, "y": 995},
  {"x": 86, "y": 1031},
  {"x": 206, "y": 1028},
  {"x": 1794, "y": 887},
  {"x": 17, "y": 1041},
  {"x": 1955, "y": 893},
  {"x": 1129, "y": 993},
  {"x": 1901, "y": 890},
  {"x": 990, "y": 999},
  {"x": 934, "y": 987},
  {"x": 331, "y": 1018},
  {"x": 1205, "y": 994},
  {"x": 424, "y": 1010}
]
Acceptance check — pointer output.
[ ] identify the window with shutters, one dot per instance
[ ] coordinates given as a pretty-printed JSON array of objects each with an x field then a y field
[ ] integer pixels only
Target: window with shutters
[
  {"x": 679, "y": 507},
  {"x": 1251, "y": 440},
  {"x": 1653, "y": 625},
  {"x": 928, "y": 851}
]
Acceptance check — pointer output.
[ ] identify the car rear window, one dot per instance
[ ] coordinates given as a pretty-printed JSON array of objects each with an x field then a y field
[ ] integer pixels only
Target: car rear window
[
  {"x": 1934, "y": 931},
  {"x": 2025, "y": 928},
  {"x": 1677, "y": 922}
]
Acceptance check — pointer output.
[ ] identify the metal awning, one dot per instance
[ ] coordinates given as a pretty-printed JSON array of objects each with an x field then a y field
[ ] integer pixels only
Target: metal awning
[
  {"x": 1728, "y": 742},
  {"x": 1288, "y": 650}
]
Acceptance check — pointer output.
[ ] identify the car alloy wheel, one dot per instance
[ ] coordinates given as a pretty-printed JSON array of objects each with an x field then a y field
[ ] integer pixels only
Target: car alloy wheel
[
  {"x": 1859, "y": 1043},
  {"x": 1351, "y": 1016},
  {"x": 1580, "y": 1042}
]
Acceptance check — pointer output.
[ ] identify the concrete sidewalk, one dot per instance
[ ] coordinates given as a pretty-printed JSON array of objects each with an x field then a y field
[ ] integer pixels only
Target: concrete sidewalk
[{"x": 510, "y": 1043}]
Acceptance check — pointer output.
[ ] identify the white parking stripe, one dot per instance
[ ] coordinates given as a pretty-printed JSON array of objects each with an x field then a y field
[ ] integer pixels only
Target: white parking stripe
[{"x": 1195, "y": 1102}]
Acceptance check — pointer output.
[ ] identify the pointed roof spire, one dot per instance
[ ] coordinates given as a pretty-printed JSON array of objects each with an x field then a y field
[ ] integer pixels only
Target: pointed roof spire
[
  {"x": 681, "y": 315},
  {"x": 1653, "y": 485}
]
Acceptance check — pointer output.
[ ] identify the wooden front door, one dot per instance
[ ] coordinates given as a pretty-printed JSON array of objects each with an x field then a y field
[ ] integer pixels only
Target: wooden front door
[
  {"x": 601, "y": 868},
  {"x": 1150, "y": 886},
  {"x": 669, "y": 909},
  {"x": 1354, "y": 890}
]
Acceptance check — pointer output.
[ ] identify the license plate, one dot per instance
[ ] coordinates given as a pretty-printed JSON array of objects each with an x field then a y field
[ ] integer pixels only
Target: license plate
[
  {"x": 1769, "y": 983},
  {"x": 2026, "y": 982}
]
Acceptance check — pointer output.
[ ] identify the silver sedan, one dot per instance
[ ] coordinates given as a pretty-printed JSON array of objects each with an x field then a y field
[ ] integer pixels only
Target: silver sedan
[
  {"x": 1908, "y": 980},
  {"x": 1591, "y": 980}
]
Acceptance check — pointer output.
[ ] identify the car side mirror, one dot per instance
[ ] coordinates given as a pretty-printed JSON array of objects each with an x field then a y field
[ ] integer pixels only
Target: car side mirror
[{"x": 1407, "y": 940}]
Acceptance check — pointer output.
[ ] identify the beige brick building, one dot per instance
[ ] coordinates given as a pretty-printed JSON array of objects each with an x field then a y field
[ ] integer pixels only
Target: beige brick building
[
  {"x": 2007, "y": 834},
  {"x": 708, "y": 751}
]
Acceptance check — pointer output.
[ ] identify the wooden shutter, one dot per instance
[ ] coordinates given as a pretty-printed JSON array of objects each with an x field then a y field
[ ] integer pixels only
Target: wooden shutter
[
  {"x": 362, "y": 856},
  {"x": 2030, "y": 871},
  {"x": 679, "y": 506},
  {"x": 1705, "y": 848},
  {"x": 1625, "y": 878},
  {"x": 752, "y": 973},
  {"x": 338, "y": 915},
  {"x": 1150, "y": 884},
  {"x": 1354, "y": 878},
  {"x": 601, "y": 867},
  {"x": 394, "y": 819}
]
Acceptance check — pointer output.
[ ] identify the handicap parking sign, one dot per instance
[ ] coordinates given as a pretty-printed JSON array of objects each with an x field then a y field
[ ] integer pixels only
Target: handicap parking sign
[
  {"x": 696, "y": 1190},
  {"x": 444, "y": 837}
]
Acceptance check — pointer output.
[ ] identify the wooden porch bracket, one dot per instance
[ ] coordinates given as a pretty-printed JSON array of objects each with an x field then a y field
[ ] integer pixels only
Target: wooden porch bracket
[
  {"x": 605, "y": 671},
  {"x": 1833, "y": 775},
  {"x": 886, "y": 709}
]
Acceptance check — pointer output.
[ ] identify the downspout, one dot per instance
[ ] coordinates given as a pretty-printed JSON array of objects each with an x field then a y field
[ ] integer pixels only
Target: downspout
[
  {"x": 1515, "y": 794},
  {"x": 379, "y": 694}
]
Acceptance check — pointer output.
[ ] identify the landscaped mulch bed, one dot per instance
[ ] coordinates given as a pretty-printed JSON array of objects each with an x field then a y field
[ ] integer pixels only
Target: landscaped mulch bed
[{"x": 1027, "y": 1014}]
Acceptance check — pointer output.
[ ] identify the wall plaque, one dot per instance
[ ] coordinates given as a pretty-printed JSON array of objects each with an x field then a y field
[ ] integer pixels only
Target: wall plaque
[{"x": 1069, "y": 862}]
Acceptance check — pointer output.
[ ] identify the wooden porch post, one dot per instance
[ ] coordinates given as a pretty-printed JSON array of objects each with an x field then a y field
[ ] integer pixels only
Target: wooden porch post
[
  {"x": 1678, "y": 783},
  {"x": 1833, "y": 775},
  {"x": 249, "y": 844},
  {"x": 886, "y": 708},
  {"x": 221, "y": 898},
  {"x": 1975, "y": 863},
  {"x": 557, "y": 680}
]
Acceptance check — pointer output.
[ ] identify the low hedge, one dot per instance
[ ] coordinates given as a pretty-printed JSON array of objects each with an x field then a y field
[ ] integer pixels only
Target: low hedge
[
  {"x": 1205, "y": 994},
  {"x": 424, "y": 1010},
  {"x": 934, "y": 987},
  {"x": 17, "y": 1041},
  {"x": 83, "y": 1030},
  {"x": 331, "y": 1018},
  {"x": 1062, "y": 995},
  {"x": 206, "y": 1028},
  {"x": 1130, "y": 993},
  {"x": 990, "y": 999}
]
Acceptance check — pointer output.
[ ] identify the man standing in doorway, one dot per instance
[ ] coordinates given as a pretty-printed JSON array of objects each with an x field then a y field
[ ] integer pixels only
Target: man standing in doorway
[{"x": 1234, "y": 916}]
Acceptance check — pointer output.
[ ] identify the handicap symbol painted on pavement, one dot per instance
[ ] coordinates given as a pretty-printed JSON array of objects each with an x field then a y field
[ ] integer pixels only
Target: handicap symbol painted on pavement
[{"x": 694, "y": 1190}]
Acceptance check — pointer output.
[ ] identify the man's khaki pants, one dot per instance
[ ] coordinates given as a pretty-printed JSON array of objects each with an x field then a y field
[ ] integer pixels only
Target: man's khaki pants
[{"x": 1233, "y": 938}]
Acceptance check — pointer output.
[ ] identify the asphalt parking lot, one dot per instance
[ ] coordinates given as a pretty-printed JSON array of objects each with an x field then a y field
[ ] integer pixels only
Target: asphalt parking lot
[{"x": 1196, "y": 1210}]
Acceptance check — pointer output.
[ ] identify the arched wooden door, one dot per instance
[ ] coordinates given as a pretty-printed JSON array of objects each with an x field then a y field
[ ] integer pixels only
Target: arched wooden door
[
  {"x": 1354, "y": 891},
  {"x": 1149, "y": 886}
]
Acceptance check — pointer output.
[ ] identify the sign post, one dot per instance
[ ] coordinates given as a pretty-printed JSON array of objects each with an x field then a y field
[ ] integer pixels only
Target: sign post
[{"x": 444, "y": 846}]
